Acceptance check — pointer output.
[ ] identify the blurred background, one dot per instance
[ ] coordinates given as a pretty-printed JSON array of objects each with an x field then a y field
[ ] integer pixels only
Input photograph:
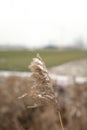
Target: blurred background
[{"x": 57, "y": 30}]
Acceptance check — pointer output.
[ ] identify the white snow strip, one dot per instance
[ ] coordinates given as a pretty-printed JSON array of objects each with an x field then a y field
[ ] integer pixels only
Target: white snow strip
[
  {"x": 60, "y": 79},
  {"x": 14, "y": 73}
]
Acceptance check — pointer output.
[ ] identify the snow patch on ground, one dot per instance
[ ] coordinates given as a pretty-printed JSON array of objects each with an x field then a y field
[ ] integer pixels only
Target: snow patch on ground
[{"x": 62, "y": 80}]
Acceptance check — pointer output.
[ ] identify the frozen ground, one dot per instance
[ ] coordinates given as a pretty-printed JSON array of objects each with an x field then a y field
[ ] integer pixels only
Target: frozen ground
[
  {"x": 71, "y": 72},
  {"x": 74, "y": 68}
]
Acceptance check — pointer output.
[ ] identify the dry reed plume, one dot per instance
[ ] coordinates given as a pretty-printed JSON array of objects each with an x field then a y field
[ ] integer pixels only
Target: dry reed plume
[{"x": 42, "y": 92}]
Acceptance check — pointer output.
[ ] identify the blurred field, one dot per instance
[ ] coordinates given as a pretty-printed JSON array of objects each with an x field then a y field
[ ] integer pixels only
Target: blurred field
[{"x": 19, "y": 60}]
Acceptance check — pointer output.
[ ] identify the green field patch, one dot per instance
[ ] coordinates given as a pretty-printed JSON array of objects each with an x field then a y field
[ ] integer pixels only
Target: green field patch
[{"x": 19, "y": 60}]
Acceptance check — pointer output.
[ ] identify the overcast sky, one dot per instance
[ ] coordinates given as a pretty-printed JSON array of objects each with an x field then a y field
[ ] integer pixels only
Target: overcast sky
[{"x": 36, "y": 22}]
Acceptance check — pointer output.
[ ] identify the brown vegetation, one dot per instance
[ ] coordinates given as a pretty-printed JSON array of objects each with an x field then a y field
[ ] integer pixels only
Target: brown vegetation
[{"x": 14, "y": 113}]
